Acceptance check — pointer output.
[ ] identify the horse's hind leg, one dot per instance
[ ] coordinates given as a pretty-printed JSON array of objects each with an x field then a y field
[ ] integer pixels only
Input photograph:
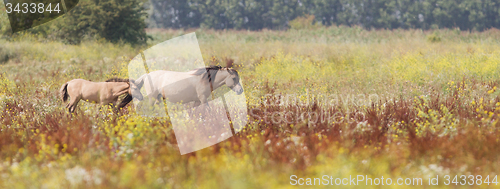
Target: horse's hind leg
[{"x": 72, "y": 104}]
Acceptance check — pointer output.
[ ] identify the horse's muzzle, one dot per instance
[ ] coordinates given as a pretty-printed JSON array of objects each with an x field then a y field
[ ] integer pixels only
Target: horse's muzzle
[
  {"x": 238, "y": 92},
  {"x": 138, "y": 97},
  {"x": 237, "y": 89}
]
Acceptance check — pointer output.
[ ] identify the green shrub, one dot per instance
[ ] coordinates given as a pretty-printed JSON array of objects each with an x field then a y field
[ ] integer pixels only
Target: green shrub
[
  {"x": 433, "y": 38},
  {"x": 6, "y": 54},
  {"x": 305, "y": 22}
]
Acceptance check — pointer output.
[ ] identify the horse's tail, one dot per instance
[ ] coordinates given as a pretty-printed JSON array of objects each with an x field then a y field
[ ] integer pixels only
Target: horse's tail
[{"x": 64, "y": 92}]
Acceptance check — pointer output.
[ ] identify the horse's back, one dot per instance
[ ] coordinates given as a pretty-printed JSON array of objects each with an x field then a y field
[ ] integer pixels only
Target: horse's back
[
  {"x": 172, "y": 74},
  {"x": 77, "y": 83},
  {"x": 78, "y": 80},
  {"x": 175, "y": 86},
  {"x": 162, "y": 77},
  {"x": 82, "y": 83}
]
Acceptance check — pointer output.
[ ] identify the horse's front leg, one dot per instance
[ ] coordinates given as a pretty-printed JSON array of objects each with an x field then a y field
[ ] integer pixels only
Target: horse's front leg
[
  {"x": 203, "y": 92},
  {"x": 196, "y": 104},
  {"x": 152, "y": 98},
  {"x": 203, "y": 99},
  {"x": 114, "y": 106},
  {"x": 111, "y": 104},
  {"x": 203, "y": 104},
  {"x": 159, "y": 99}
]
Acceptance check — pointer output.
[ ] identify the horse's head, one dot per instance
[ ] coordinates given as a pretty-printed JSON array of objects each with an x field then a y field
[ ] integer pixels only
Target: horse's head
[
  {"x": 134, "y": 90},
  {"x": 233, "y": 81}
]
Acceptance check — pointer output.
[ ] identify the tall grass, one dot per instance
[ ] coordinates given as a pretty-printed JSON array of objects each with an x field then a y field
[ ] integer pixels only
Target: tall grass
[{"x": 331, "y": 101}]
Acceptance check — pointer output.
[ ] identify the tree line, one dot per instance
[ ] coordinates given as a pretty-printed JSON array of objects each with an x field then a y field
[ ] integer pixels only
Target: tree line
[
  {"x": 370, "y": 14},
  {"x": 125, "y": 20}
]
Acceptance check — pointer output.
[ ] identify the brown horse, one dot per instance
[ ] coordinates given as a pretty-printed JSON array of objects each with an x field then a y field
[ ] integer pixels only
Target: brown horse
[{"x": 104, "y": 93}]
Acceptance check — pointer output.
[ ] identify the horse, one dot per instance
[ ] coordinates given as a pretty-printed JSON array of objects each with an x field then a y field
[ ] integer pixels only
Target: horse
[
  {"x": 104, "y": 93},
  {"x": 192, "y": 86}
]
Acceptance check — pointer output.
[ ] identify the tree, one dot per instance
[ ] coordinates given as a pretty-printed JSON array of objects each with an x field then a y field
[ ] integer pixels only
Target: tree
[
  {"x": 173, "y": 14},
  {"x": 113, "y": 20}
]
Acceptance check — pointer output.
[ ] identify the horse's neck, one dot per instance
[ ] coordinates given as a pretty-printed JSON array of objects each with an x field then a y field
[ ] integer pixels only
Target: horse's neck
[
  {"x": 219, "y": 79},
  {"x": 119, "y": 88}
]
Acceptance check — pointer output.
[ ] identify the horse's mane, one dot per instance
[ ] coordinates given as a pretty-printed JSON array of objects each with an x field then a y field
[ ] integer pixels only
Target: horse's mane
[
  {"x": 199, "y": 71},
  {"x": 212, "y": 72},
  {"x": 115, "y": 79},
  {"x": 125, "y": 101}
]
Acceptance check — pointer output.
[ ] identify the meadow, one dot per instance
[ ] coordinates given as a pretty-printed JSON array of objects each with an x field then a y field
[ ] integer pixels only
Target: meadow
[{"x": 337, "y": 101}]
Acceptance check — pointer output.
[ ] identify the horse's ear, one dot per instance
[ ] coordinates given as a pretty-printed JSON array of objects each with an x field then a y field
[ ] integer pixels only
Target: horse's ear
[
  {"x": 133, "y": 82},
  {"x": 140, "y": 83},
  {"x": 229, "y": 62}
]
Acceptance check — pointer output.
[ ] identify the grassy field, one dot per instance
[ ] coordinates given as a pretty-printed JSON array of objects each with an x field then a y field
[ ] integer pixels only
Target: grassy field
[{"x": 332, "y": 101}]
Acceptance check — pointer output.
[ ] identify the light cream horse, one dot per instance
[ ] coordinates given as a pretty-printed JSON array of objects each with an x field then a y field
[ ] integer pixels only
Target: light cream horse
[
  {"x": 103, "y": 93},
  {"x": 192, "y": 86}
]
